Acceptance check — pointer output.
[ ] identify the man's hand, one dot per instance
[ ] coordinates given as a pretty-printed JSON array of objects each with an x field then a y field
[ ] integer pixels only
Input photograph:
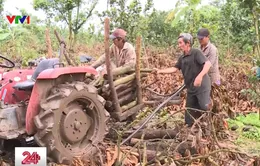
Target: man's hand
[{"x": 198, "y": 81}]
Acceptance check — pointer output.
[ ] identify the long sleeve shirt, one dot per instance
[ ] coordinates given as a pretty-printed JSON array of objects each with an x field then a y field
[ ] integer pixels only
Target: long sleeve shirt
[{"x": 125, "y": 57}]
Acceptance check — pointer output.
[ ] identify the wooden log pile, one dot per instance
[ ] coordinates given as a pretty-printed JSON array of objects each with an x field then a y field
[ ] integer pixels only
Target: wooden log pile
[
  {"x": 125, "y": 86},
  {"x": 182, "y": 145}
]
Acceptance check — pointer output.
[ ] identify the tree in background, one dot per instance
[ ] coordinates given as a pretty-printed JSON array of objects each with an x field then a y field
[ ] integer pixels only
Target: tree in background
[
  {"x": 253, "y": 6},
  {"x": 232, "y": 24},
  {"x": 130, "y": 17},
  {"x": 75, "y": 13},
  {"x": 186, "y": 11},
  {"x": 189, "y": 16},
  {"x": 1, "y": 6}
]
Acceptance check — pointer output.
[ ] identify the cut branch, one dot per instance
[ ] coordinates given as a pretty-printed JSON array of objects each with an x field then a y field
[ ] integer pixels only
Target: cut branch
[
  {"x": 120, "y": 81},
  {"x": 153, "y": 134},
  {"x": 109, "y": 68},
  {"x": 137, "y": 70},
  {"x": 128, "y": 106},
  {"x": 119, "y": 71}
]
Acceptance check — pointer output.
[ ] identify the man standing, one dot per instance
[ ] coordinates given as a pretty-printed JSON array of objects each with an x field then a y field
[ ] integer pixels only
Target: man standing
[
  {"x": 211, "y": 52},
  {"x": 194, "y": 66},
  {"x": 122, "y": 53}
]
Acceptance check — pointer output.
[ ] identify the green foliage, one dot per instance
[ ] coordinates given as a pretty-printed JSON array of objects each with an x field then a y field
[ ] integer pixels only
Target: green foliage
[
  {"x": 249, "y": 120},
  {"x": 75, "y": 13},
  {"x": 236, "y": 25},
  {"x": 254, "y": 92},
  {"x": 189, "y": 7},
  {"x": 128, "y": 17},
  {"x": 161, "y": 33},
  {"x": 232, "y": 24},
  {"x": 1, "y": 6}
]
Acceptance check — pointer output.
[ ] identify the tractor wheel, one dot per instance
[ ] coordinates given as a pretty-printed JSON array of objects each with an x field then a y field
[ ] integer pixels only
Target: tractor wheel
[{"x": 72, "y": 122}]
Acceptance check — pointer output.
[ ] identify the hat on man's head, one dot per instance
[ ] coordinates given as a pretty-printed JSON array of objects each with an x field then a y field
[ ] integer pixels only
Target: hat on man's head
[
  {"x": 118, "y": 33},
  {"x": 203, "y": 32},
  {"x": 186, "y": 37}
]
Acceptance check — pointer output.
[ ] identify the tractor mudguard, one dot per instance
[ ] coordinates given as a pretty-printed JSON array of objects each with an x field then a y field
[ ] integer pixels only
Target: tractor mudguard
[
  {"x": 56, "y": 72},
  {"x": 8, "y": 80},
  {"x": 43, "y": 84}
]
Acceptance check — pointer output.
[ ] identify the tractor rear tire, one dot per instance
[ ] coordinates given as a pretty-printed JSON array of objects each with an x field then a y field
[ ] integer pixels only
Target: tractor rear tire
[{"x": 72, "y": 122}]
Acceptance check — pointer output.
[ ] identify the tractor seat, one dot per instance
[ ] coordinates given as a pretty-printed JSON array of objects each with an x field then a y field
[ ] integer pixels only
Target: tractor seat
[
  {"x": 43, "y": 65},
  {"x": 25, "y": 85}
]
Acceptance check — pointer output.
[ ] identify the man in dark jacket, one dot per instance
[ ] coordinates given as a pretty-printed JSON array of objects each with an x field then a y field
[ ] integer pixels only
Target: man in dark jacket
[{"x": 194, "y": 66}]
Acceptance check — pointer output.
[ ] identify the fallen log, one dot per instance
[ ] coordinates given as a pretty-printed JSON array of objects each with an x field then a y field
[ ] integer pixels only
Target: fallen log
[
  {"x": 122, "y": 80},
  {"x": 153, "y": 134},
  {"x": 127, "y": 98},
  {"x": 157, "y": 145},
  {"x": 155, "y": 97},
  {"x": 124, "y": 86},
  {"x": 119, "y": 83},
  {"x": 128, "y": 106},
  {"x": 168, "y": 146},
  {"x": 156, "y": 102},
  {"x": 126, "y": 91},
  {"x": 131, "y": 112},
  {"x": 125, "y": 70},
  {"x": 119, "y": 71},
  {"x": 144, "y": 70}
]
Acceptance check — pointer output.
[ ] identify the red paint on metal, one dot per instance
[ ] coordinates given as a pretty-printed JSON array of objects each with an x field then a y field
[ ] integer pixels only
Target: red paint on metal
[
  {"x": 32, "y": 110},
  {"x": 7, "y": 89},
  {"x": 49, "y": 74},
  {"x": 56, "y": 72}
]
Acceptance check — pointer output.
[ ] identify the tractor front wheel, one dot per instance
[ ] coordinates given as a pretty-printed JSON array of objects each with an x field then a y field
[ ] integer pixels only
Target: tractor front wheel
[{"x": 72, "y": 122}]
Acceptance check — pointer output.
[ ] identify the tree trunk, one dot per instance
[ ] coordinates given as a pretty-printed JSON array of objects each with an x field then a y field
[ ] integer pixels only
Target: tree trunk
[
  {"x": 121, "y": 87},
  {"x": 126, "y": 91},
  {"x": 75, "y": 38},
  {"x": 70, "y": 28},
  {"x": 48, "y": 43},
  {"x": 257, "y": 32}
]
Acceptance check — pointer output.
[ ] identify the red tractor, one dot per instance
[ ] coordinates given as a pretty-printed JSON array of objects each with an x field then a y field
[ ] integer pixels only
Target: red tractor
[{"x": 55, "y": 106}]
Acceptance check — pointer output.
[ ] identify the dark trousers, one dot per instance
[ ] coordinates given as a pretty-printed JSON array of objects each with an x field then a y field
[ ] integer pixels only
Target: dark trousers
[{"x": 201, "y": 102}]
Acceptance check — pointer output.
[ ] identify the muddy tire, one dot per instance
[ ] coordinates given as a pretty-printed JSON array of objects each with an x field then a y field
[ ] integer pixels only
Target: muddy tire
[{"x": 72, "y": 122}]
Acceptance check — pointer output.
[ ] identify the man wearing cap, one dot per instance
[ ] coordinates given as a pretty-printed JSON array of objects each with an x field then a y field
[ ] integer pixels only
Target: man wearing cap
[
  {"x": 194, "y": 66},
  {"x": 211, "y": 52},
  {"x": 122, "y": 53}
]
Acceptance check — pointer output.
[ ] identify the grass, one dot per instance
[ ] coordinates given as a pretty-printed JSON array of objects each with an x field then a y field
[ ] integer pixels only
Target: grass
[{"x": 248, "y": 141}]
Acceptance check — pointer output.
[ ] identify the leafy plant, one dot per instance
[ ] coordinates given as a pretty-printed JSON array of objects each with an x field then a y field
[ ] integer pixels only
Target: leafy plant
[
  {"x": 242, "y": 121},
  {"x": 64, "y": 11}
]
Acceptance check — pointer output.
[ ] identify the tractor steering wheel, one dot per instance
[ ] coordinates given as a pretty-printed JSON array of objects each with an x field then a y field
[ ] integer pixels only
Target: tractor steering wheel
[{"x": 10, "y": 64}]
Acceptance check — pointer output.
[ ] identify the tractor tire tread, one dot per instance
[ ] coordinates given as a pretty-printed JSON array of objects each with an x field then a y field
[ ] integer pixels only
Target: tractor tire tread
[{"x": 45, "y": 135}]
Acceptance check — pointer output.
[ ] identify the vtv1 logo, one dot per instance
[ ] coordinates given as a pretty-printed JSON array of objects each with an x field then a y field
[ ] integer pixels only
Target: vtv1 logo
[{"x": 17, "y": 19}]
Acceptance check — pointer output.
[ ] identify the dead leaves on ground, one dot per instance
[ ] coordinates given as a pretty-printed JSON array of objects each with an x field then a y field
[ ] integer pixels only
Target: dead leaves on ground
[
  {"x": 124, "y": 156},
  {"x": 227, "y": 97}
]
